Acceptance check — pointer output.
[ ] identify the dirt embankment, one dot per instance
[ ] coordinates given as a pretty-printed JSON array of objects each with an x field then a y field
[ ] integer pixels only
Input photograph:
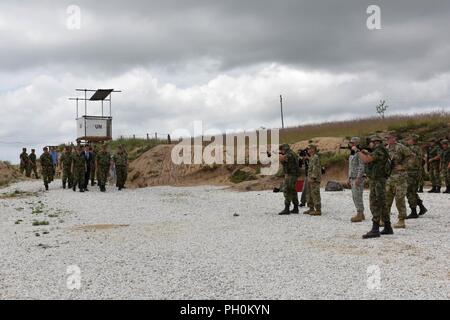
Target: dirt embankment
[
  {"x": 8, "y": 174},
  {"x": 155, "y": 168}
]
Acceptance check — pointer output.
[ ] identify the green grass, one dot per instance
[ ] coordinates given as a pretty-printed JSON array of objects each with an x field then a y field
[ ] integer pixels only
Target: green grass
[
  {"x": 18, "y": 194},
  {"x": 40, "y": 223},
  {"x": 330, "y": 159},
  {"x": 135, "y": 147},
  {"x": 366, "y": 126}
]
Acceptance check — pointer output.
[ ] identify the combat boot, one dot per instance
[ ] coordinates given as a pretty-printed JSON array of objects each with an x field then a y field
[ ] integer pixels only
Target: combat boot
[
  {"x": 447, "y": 190},
  {"x": 400, "y": 224},
  {"x": 81, "y": 190},
  {"x": 422, "y": 208},
  {"x": 359, "y": 217},
  {"x": 295, "y": 210},
  {"x": 420, "y": 189},
  {"x": 64, "y": 185},
  {"x": 438, "y": 190},
  {"x": 413, "y": 214},
  {"x": 387, "y": 229},
  {"x": 46, "y": 186},
  {"x": 316, "y": 213},
  {"x": 308, "y": 211},
  {"x": 302, "y": 205},
  {"x": 284, "y": 212},
  {"x": 374, "y": 233},
  {"x": 74, "y": 188}
]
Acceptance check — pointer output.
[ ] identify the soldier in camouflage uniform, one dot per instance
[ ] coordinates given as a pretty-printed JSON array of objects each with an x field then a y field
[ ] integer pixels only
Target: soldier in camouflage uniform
[
  {"x": 376, "y": 169},
  {"x": 397, "y": 183},
  {"x": 103, "y": 159},
  {"x": 445, "y": 164},
  {"x": 414, "y": 168},
  {"x": 93, "y": 167},
  {"x": 25, "y": 163},
  {"x": 46, "y": 167},
  {"x": 121, "y": 162},
  {"x": 421, "y": 182},
  {"x": 79, "y": 170},
  {"x": 356, "y": 179},
  {"x": 314, "y": 179},
  {"x": 33, "y": 163},
  {"x": 433, "y": 159},
  {"x": 291, "y": 170},
  {"x": 66, "y": 167}
]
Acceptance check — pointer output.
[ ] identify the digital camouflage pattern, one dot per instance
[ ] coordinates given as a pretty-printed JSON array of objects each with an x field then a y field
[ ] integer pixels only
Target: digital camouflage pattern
[
  {"x": 435, "y": 174},
  {"x": 121, "y": 162},
  {"x": 66, "y": 161},
  {"x": 377, "y": 174},
  {"x": 445, "y": 160},
  {"x": 414, "y": 170},
  {"x": 397, "y": 183},
  {"x": 356, "y": 171},
  {"x": 314, "y": 178},
  {"x": 79, "y": 170},
  {"x": 103, "y": 162},
  {"x": 46, "y": 168},
  {"x": 25, "y": 164},
  {"x": 93, "y": 167},
  {"x": 33, "y": 165},
  {"x": 291, "y": 172}
]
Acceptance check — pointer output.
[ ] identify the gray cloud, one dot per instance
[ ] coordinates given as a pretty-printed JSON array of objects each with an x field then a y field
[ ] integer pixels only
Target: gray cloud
[{"x": 224, "y": 62}]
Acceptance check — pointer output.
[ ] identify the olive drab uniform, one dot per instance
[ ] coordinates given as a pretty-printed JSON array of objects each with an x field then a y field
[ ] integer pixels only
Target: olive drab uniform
[
  {"x": 25, "y": 164},
  {"x": 445, "y": 160},
  {"x": 79, "y": 170},
  {"x": 414, "y": 169},
  {"x": 33, "y": 165},
  {"x": 103, "y": 162},
  {"x": 66, "y": 164},
  {"x": 435, "y": 166},
  {"x": 314, "y": 179},
  {"x": 121, "y": 162},
  {"x": 291, "y": 172},
  {"x": 397, "y": 183},
  {"x": 46, "y": 168},
  {"x": 376, "y": 171},
  {"x": 93, "y": 168}
]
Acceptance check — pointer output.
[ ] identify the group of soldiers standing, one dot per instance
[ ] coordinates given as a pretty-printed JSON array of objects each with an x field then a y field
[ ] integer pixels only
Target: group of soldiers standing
[
  {"x": 78, "y": 165},
  {"x": 394, "y": 170}
]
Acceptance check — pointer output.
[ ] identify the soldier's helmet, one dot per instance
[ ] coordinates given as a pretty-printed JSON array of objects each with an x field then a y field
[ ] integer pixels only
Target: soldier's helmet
[
  {"x": 355, "y": 140},
  {"x": 375, "y": 138}
]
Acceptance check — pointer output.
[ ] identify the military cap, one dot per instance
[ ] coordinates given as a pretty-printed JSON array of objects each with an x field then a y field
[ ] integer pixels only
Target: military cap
[
  {"x": 445, "y": 141},
  {"x": 284, "y": 147},
  {"x": 375, "y": 138},
  {"x": 355, "y": 140}
]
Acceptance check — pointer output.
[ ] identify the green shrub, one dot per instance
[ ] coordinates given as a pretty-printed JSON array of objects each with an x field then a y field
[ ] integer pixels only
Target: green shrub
[{"x": 240, "y": 176}]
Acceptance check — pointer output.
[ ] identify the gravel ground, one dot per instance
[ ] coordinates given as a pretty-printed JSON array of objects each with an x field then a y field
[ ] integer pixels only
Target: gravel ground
[{"x": 212, "y": 243}]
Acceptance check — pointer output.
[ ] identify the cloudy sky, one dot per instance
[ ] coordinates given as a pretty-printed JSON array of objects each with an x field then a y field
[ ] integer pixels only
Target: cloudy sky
[{"x": 223, "y": 62}]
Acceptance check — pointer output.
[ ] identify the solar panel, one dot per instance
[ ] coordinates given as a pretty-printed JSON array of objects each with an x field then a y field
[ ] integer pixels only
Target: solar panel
[{"x": 101, "y": 94}]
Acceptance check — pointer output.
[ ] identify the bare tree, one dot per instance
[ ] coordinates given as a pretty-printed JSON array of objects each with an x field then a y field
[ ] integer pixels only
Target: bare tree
[{"x": 381, "y": 108}]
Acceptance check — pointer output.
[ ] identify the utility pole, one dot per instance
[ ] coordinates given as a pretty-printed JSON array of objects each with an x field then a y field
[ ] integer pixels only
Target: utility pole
[{"x": 281, "y": 106}]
